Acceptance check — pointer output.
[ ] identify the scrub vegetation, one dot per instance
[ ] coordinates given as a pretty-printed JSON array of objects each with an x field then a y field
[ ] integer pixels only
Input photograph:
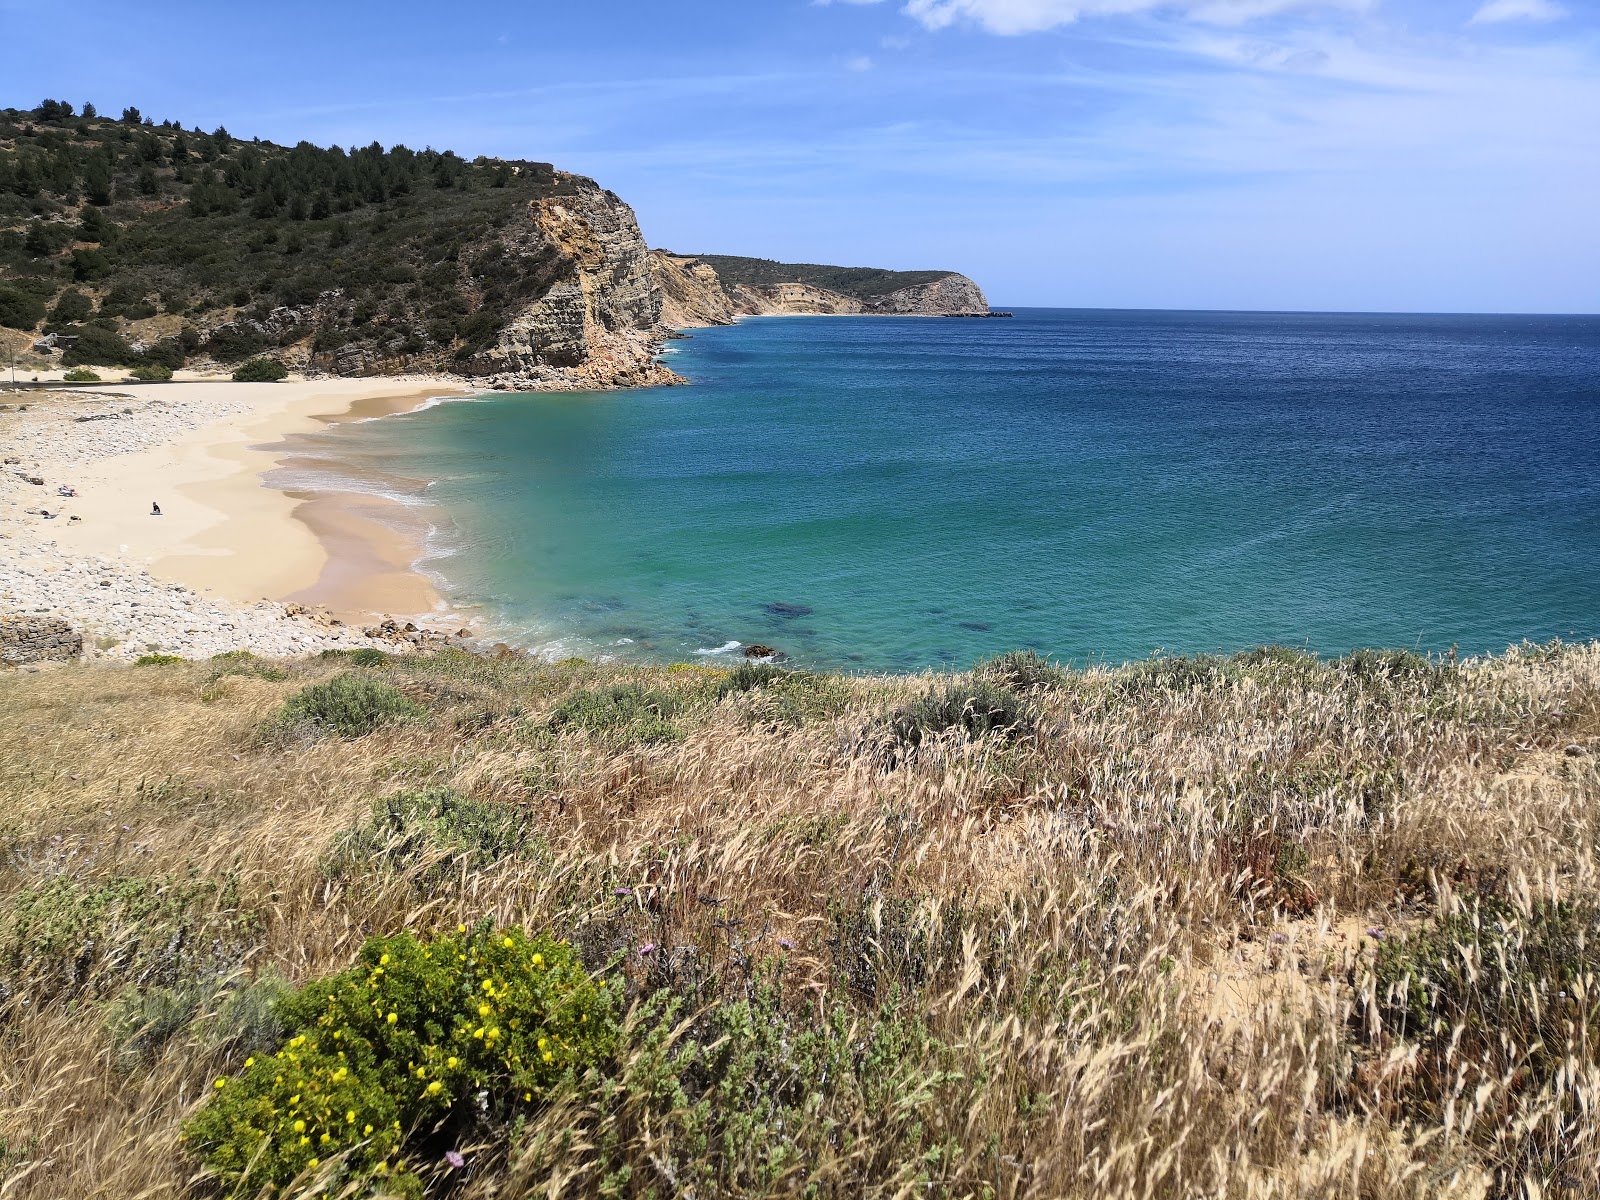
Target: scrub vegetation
[
  {"x": 155, "y": 246},
  {"x": 448, "y": 926}
]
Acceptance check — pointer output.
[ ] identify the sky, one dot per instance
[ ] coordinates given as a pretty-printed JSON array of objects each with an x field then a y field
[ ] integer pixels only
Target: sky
[{"x": 1372, "y": 155}]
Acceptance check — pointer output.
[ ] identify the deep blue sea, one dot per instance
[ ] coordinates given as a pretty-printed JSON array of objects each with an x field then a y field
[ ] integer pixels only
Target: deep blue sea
[{"x": 895, "y": 494}]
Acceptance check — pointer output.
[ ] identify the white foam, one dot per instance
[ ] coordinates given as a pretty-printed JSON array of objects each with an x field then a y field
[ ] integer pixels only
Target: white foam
[{"x": 725, "y": 648}]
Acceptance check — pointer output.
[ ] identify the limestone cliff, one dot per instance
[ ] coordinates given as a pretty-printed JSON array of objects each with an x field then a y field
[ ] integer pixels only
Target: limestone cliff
[
  {"x": 715, "y": 290},
  {"x": 599, "y": 322}
]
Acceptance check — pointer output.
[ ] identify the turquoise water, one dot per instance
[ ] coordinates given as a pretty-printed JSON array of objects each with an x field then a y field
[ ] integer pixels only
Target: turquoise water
[{"x": 893, "y": 494}]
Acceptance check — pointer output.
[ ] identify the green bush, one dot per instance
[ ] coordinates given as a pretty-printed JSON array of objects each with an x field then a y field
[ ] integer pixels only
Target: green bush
[
  {"x": 438, "y": 822},
  {"x": 99, "y": 345},
  {"x": 19, "y": 309},
  {"x": 785, "y": 697},
  {"x": 152, "y": 373},
  {"x": 1173, "y": 675},
  {"x": 625, "y": 713},
  {"x": 71, "y": 307},
  {"x": 1498, "y": 1001},
  {"x": 157, "y": 660},
  {"x": 1395, "y": 667},
  {"x": 451, "y": 1037},
  {"x": 1022, "y": 670},
  {"x": 349, "y": 705},
  {"x": 80, "y": 375},
  {"x": 71, "y": 937},
  {"x": 974, "y": 709},
  {"x": 260, "y": 370}
]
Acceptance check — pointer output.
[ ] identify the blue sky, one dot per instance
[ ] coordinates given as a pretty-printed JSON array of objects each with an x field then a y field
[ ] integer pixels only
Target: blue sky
[{"x": 1438, "y": 155}]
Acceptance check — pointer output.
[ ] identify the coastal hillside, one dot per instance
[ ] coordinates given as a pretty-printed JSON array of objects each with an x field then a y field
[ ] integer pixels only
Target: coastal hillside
[
  {"x": 714, "y": 289},
  {"x": 151, "y": 244},
  {"x": 133, "y": 243},
  {"x": 374, "y": 925}
]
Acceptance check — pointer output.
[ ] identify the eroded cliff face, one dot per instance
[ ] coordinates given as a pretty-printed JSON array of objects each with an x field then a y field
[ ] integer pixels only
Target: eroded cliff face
[
  {"x": 598, "y": 324},
  {"x": 694, "y": 295}
]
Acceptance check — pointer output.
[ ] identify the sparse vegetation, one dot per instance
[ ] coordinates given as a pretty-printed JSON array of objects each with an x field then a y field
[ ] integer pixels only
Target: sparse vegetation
[
  {"x": 80, "y": 375},
  {"x": 1255, "y": 926}
]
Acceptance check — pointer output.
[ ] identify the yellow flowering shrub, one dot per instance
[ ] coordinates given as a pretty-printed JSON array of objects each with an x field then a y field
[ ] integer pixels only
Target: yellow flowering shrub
[{"x": 456, "y": 1034}]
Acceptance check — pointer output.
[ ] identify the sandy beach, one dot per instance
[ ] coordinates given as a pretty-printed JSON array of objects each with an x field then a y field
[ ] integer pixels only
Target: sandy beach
[{"x": 231, "y": 561}]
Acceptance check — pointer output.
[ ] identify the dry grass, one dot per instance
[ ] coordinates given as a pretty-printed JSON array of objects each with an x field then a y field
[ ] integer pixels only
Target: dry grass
[{"x": 1129, "y": 946}]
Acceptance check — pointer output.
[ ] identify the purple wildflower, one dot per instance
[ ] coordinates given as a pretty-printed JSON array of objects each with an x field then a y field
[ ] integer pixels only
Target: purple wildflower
[
  {"x": 647, "y": 948},
  {"x": 1280, "y": 938},
  {"x": 786, "y": 943},
  {"x": 1375, "y": 933},
  {"x": 622, "y": 891},
  {"x": 454, "y": 1158}
]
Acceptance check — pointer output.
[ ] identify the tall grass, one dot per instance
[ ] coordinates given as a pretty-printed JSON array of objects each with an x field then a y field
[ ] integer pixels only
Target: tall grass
[{"x": 1267, "y": 926}]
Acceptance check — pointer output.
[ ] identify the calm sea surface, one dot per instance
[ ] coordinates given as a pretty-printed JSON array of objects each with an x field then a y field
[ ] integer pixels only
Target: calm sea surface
[{"x": 892, "y": 494}]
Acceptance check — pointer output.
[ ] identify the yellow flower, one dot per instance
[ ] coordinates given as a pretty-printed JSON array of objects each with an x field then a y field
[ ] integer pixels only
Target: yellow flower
[
  {"x": 435, "y": 1088},
  {"x": 508, "y": 943},
  {"x": 422, "y": 1072},
  {"x": 492, "y": 1034},
  {"x": 305, "y": 1141},
  {"x": 488, "y": 987},
  {"x": 367, "y": 1131},
  {"x": 250, "y": 1062},
  {"x": 222, "y": 1083},
  {"x": 548, "y": 1057},
  {"x": 527, "y": 1095},
  {"x": 299, "y": 1126},
  {"x": 452, "y": 1062},
  {"x": 484, "y": 1010},
  {"x": 478, "y": 1032},
  {"x": 538, "y": 960},
  {"x": 350, "y": 1117},
  {"x": 392, "y": 1018},
  {"x": 326, "y": 1139},
  {"x": 314, "y": 1163},
  {"x": 384, "y": 961},
  {"x": 383, "y": 1168},
  {"x": 461, "y": 928}
]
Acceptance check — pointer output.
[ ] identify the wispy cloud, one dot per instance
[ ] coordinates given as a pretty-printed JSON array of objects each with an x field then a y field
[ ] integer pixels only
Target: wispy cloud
[
  {"x": 1496, "y": 11},
  {"x": 1036, "y": 16}
]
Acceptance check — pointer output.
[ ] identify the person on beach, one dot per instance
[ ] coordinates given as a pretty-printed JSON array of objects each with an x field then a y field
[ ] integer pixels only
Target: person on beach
[{"x": 155, "y": 509}]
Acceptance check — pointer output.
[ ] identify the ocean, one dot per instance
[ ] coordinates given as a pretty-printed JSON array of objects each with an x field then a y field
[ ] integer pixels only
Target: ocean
[{"x": 894, "y": 494}]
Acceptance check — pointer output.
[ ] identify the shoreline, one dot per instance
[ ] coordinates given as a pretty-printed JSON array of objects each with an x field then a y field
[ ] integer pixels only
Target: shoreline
[{"x": 233, "y": 561}]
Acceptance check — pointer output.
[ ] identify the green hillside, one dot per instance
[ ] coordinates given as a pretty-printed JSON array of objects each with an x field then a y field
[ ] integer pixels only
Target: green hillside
[
  {"x": 108, "y": 221},
  {"x": 864, "y": 283}
]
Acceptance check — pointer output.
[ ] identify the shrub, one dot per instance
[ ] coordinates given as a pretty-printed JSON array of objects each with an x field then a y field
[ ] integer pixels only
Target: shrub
[
  {"x": 1499, "y": 1002},
  {"x": 783, "y": 696},
  {"x": 98, "y": 345},
  {"x": 1022, "y": 670},
  {"x": 1392, "y": 667},
  {"x": 349, "y": 705},
  {"x": 260, "y": 370},
  {"x": 157, "y": 660},
  {"x": 973, "y": 709},
  {"x": 437, "y": 822},
  {"x": 19, "y": 309},
  {"x": 1173, "y": 674},
  {"x": 366, "y": 656},
  {"x": 626, "y": 713},
  {"x": 80, "y": 375},
  {"x": 152, "y": 373},
  {"x": 70, "y": 936},
  {"x": 420, "y": 1041},
  {"x": 71, "y": 307}
]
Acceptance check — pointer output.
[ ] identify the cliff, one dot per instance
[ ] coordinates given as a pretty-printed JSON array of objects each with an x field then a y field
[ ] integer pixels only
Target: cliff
[
  {"x": 716, "y": 289},
  {"x": 150, "y": 245}
]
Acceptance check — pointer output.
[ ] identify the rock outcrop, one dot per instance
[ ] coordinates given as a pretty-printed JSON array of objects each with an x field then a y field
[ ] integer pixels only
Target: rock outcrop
[
  {"x": 25, "y": 639},
  {"x": 599, "y": 322},
  {"x": 695, "y": 294}
]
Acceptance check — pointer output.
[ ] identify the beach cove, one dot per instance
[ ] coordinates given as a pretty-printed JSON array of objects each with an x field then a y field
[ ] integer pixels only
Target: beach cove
[{"x": 230, "y": 563}]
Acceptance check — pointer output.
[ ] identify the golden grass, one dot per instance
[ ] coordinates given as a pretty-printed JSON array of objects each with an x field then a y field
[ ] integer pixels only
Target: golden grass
[{"x": 1136, "y": 944}]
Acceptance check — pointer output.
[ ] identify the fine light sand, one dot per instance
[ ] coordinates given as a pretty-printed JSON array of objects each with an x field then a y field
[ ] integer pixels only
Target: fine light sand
[
  {"x": 223, "y": 530},
  {"x": 201, "y": 451}
]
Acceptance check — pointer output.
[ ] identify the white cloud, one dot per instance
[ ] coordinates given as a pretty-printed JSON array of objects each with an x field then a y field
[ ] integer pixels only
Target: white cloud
[
  {"x": 1517, "y": 10},
  {"x": 860, "y": 62},
  {"x": 1034, "y": 16}
]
